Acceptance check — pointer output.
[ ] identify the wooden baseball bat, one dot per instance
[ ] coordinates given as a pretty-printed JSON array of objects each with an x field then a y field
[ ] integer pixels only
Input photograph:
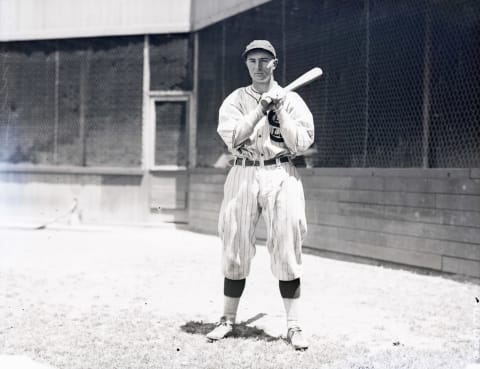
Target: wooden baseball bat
[{"x": 303, "y": 80}]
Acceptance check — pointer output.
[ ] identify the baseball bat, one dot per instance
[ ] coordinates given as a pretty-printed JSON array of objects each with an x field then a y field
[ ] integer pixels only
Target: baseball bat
[{"x": 303, "y": 80}]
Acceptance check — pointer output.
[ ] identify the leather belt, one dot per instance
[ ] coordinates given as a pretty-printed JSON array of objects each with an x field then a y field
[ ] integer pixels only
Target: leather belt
[{"x": 256, "y": 163}]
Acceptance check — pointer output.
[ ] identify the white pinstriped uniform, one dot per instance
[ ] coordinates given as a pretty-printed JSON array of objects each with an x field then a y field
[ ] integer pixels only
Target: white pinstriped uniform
[{"x": 275, "y": 190}]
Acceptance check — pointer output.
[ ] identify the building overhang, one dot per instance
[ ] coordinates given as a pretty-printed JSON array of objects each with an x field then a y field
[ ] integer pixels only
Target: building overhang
[{"x": 53, "y": 19}]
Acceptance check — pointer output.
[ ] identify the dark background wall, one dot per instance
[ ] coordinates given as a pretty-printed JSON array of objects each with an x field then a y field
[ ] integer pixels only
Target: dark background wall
[
  {"x": 78, "y": 102},
  {"x": 400, "y": 84},
  {"x": 64, "y": 100},
  {"x": 171, "y": 62}
]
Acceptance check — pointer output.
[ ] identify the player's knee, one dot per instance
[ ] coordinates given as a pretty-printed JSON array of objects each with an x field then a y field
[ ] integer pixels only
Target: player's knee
[{"x": 290, "y": 289}]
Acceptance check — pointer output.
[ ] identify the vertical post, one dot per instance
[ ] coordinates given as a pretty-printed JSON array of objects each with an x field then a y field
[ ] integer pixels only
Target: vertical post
[
  {"x": 367, "y": 81},
  {"x": 55, "y": 109},
  {"x": 5, "y": 108},
  {"x": 192, "y": 122},
  {"x": 284, "y": 44},
  {"x": 146, "y": 132},
  {"x": 224, "y": 55},
  {"x": 145, "y": 105},
  {"x": 84, "y": 72},
  {"x": 426, "y": 91}
]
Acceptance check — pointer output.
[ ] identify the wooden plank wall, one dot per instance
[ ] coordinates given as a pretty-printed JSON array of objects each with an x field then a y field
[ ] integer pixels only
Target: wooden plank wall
[{"x": 421, "y": 218}]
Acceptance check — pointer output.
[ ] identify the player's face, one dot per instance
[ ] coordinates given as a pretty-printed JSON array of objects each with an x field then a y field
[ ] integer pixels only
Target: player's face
[{"x": 258, "y": 66}]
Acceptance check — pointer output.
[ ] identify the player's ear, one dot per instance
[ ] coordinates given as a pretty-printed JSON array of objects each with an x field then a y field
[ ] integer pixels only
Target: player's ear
[{"x": 275, "y": 63}]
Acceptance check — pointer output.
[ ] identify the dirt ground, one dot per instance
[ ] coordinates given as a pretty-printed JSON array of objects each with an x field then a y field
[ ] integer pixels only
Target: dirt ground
[{"x": 81, "y": 298}]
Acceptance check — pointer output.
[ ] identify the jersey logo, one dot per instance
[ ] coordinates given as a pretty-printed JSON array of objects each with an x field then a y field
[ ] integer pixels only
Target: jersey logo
[{"x": 275, "y": 134}]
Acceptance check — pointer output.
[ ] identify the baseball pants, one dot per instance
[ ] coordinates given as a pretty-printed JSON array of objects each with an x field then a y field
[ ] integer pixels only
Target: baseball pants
[{"x": 275, "y": 191}]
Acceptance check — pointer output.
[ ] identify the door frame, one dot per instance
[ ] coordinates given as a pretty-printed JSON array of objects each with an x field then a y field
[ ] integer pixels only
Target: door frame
[
  {"x": 167, "y": 171},
  {"x": 173, "y": 96}
]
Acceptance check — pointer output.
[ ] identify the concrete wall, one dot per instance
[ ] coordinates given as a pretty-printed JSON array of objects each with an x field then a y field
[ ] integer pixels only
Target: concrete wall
[
  {"x": 420, "y": 218},
  {"x": 412, "y": 217},
  {"x": 104, "y": 196}
]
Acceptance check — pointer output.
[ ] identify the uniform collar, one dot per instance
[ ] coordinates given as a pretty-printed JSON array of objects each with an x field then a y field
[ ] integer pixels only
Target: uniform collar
[{"x": 252, "y": 89}]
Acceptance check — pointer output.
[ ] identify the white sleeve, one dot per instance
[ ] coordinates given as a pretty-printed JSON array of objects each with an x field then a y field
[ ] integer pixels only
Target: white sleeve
[
  {"x": 296, "y": 124},
  {"x": 235, "y": 125}
]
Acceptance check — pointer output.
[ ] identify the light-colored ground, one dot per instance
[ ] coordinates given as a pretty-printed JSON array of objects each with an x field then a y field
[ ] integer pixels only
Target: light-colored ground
[{"x": 144, "y": 298}]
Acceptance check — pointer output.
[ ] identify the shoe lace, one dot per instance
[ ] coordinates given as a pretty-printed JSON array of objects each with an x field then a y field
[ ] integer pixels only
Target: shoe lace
[
  {"x": 292, "y": 331},
  {"x": 224, "y": 322}
]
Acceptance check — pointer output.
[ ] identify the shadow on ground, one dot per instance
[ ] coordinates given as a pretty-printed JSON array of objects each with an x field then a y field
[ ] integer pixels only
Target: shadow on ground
[{"x": 241, "y": 330}]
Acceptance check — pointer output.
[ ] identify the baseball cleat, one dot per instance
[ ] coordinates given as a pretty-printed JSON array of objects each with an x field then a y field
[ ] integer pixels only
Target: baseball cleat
[
  {"x": 295, "y": 338},
  {"x": 223, "y": 329}
]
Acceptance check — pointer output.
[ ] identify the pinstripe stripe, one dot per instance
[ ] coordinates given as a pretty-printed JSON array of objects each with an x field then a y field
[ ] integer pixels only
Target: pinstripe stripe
[
  {"x": 250, "y": 216},
  {"x": 238, "y": 220},
  {"x": 279, "y": 189},
  {"x": 274, "y": 192},
  {"x": 242, "y": 217}
]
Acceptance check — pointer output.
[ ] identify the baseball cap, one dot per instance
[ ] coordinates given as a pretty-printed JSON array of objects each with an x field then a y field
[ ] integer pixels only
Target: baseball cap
[{"x": 260, "y": 44}]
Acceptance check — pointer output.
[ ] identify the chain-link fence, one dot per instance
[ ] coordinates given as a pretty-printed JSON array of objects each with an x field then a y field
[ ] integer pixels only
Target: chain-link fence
[
  {"x": 78, "y": 102},
  {"x": 400, "y": 86},
  {"x": 72, "y": 102}
]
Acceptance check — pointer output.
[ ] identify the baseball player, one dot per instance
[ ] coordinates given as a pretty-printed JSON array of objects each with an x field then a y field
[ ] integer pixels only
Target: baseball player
[{"x": 263, "y": 127}]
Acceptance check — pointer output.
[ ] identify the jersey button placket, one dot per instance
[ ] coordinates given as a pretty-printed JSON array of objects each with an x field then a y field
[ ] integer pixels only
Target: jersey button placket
[{"x": 259, "y": 148}]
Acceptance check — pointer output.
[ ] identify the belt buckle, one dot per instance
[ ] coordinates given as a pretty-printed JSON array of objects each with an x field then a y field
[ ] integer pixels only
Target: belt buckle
[
  {"x": 243, "y": 162},
  {"x": 278, "y": 162}
]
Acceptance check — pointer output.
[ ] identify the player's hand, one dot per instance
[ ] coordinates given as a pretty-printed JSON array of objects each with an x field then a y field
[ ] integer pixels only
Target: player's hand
[
  {"x": 273, "y": 99},
  {"x": 266, "y": 104}
]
